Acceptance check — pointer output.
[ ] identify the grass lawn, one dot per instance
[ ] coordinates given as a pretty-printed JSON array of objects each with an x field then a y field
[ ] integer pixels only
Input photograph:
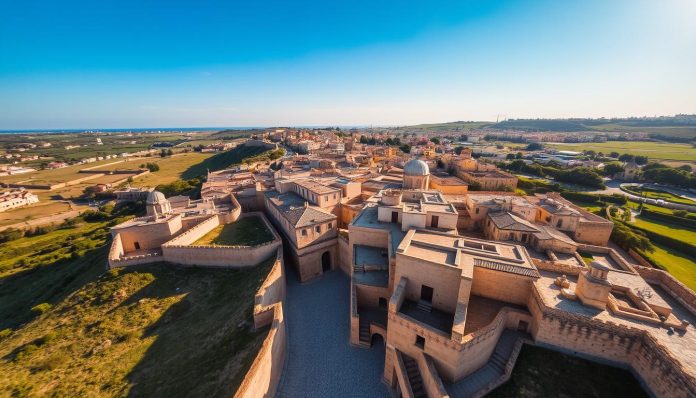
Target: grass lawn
[
  {"x": 674, "y": 231},
  {"x": 587, "y": 257},
  {"x": 653, "y": 150},
  {"x": 36, "y": 210},
  {"x": 171, "y": 168},
  {"x": 678, "y": 264},
  {"x": 657, "y": 194},
  {"x": 146, "y": 331},
  {"x": 541, "y": 372},
  {"x": 248, "y": 231}
]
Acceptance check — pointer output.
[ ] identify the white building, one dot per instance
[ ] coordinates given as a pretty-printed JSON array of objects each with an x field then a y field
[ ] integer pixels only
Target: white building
[{"x": 16, "y": 198}]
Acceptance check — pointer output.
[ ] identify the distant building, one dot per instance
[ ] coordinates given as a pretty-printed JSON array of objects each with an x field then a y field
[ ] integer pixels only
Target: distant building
[{"x": 16, "y": 198}]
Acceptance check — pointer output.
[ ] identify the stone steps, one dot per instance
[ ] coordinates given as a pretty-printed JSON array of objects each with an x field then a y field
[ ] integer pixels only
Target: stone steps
[
  {"x": 490, "y": 372},
  {"x": 414, "y": 376},
  {"x": 425, "y": 306}
]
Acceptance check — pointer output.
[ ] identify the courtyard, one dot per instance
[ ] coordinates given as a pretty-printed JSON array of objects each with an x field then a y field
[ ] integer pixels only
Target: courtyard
[
  {"x": 248, "y": 231},
  {"x": 320, "y": 361}
]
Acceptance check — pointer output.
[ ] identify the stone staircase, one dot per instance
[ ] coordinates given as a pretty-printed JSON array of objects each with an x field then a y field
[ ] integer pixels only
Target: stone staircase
[
  {"x": 415, "y": 379},
  {"x": 425, "y": 306},
  {"x": 478, "y": 382},
  {"x": 364, "y": 332}
]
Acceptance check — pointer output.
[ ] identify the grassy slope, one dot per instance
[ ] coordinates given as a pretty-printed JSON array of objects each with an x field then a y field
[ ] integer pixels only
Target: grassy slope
[
  {"x": 540, "y": 372},
  {"x": 671, "y": 230},
  {"x": 148, "y": 331},
  {"x": 248, "y": 231},
  {"x": 678, "y": 264}
]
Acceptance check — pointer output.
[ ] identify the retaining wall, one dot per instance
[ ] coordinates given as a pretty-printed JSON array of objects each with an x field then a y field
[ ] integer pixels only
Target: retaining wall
[{"x": 612, "y": 343}]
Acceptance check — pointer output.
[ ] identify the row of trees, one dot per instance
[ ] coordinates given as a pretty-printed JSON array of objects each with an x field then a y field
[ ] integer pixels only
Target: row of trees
[{"x": 576, "y": 175}]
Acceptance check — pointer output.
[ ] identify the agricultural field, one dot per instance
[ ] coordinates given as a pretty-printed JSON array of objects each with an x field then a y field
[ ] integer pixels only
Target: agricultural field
[
  {"x": 33, "y": 211},
  {"x": 54, "y": 176},
  {"x": 248, "y": 231},
  {"x": 143, "y": 331},
  {"x": 171, "y": 168},
  {"x": 658, "y": 151}
]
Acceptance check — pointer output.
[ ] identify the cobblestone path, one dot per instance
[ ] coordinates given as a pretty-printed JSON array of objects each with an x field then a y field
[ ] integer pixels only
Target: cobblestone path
[{"x": 320, "y": 360}]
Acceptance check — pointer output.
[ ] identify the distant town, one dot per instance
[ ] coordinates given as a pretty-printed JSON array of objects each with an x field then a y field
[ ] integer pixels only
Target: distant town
[{"x": 424, "y": 261}]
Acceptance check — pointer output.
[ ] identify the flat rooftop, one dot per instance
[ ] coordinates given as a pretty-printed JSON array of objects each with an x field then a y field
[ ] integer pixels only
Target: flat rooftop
[
  {"x": 368, "y": 219},
  {"x": 498, "y": 256}
]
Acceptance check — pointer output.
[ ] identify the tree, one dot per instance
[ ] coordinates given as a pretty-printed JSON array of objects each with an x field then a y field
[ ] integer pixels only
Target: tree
[
  {"x": 435, "y": 140},
  {"x": 405, "y": 148},
  {"x": 458, "y": 150},
  {"x": 363, "y": 139},
  {"x": 641, "y": 160},
  {"x": 510, "y": 156},
  {"x": 614, "y": 155},
  {"x": 518, "y": 155},
  {"x": 463, "y": 137},
  {"x": 626, "y": 157},
  {"x": 534, "y": 146},
  {"x": 611, "y": 169}
]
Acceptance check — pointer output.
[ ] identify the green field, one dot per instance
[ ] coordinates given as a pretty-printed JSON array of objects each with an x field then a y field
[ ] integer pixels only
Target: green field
[
  {"x": 171, "y": 168},
  {"x": 657, "y": 194},
  {"x": 653, "y": 150},
  {"x": 68, "y": 328},
  {"x": 540, "y": 372},
  {"x": 678, "y": 264},
  {"x": 248, "y": 231},
  {"x": 674, "y": 231}
]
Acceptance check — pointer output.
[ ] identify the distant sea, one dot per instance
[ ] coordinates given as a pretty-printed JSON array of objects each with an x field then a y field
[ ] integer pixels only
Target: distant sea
[
  {"x": 125, "y": 130},
  {"x": 162, "y": 129}
]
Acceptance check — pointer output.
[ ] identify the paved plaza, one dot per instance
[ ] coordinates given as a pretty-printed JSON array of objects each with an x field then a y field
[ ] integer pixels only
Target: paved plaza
[{"x": 320, "y": 360}]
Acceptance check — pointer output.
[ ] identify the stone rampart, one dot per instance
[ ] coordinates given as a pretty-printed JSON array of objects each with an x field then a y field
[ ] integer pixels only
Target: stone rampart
[
  {"x": 264, "y": 374},
  {"x": 610, "y": 342},
  {"x": 272, "y": 291},
  {"x": 262, "y": 378},
  {"x": 676, "y": 289}
]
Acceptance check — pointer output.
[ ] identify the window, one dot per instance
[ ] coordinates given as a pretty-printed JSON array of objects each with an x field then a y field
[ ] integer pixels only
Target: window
[
  {"x": 334, "y": 196},
  {"x": 477, "y": 210},
  {"x": 420, "y": 342},
  {"x": 317, "y": 228},
  {"x": 330, "y": 225},
  {"x": 559, "y": 224},
  {"x": 304, "y": 232},
  {"x": 137, "y": 245}
]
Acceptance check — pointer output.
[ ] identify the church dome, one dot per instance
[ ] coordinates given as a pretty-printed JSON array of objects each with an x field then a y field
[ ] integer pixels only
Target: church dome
[
  {"x": 416, "y": 167},
  {"x": 155, "y": 197}
]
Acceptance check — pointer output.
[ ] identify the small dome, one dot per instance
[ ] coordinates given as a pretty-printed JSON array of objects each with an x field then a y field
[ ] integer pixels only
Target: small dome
[
  {"x": 155, "y": 197},
  {"x": 416, "y": 167}
]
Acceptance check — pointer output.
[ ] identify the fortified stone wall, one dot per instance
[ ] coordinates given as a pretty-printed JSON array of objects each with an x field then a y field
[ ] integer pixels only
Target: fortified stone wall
[
  {"x": 180, "y": 251},
  {"x": 676, "y": 289},
  {"x": 345, "y": 259},
  {"x": 264, "y": 374},
  {"x": 662, "y": 374}
]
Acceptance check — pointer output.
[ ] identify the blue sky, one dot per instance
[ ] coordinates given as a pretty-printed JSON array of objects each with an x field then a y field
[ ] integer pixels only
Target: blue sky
[{"x": 111, "y": 64}]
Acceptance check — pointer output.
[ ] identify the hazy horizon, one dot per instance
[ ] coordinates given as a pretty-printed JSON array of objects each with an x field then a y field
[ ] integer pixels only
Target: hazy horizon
[{"x": 311, "y": 63}]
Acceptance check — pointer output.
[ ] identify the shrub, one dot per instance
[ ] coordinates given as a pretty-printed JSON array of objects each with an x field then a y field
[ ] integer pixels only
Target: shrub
[
  {"x": 5, "y": 333},
  {"x": 41, "y": 308}
]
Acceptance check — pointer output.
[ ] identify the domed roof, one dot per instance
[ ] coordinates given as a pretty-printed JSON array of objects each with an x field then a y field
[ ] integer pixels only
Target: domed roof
[
  {"x": 416, "y": 167},
  {"x": 155, "y": 197}
]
